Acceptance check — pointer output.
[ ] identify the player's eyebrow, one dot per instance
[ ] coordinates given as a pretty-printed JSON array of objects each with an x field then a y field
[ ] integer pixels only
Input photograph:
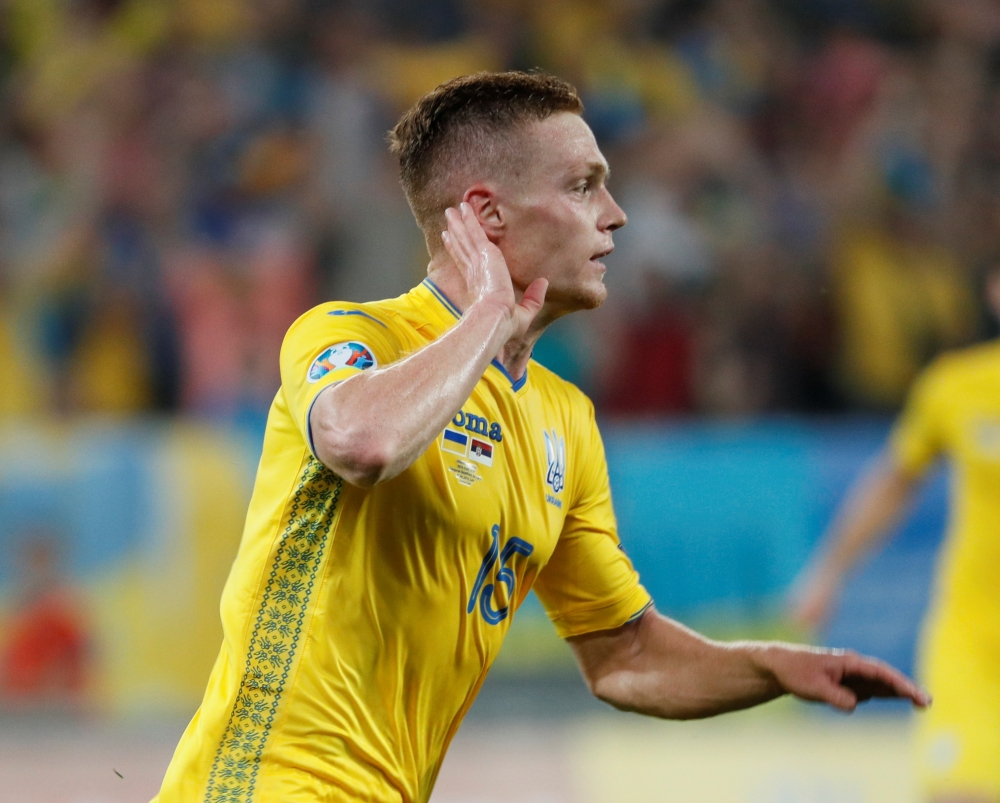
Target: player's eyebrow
[{"x": 598, "y": 170}]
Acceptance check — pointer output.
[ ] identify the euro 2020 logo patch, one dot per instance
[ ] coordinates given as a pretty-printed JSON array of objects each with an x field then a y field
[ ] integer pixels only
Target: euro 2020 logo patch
[
  {"x": 555, "y": 454},
  {"x": 342, "y": 355}
]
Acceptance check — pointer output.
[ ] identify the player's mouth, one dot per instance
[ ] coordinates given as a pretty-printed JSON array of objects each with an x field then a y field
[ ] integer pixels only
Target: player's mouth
[{"x": 596, "y": 258}]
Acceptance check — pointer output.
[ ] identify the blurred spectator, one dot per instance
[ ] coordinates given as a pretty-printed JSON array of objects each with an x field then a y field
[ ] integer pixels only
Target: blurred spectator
[
  {"x": 43, "y": 656},
  {"x": 810, "y": 186}
]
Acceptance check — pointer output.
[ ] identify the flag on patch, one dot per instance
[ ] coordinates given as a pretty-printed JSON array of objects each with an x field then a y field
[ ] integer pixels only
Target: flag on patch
[
  {"x": 455, "y": 442},
  {"x": 481, "y": 452}
]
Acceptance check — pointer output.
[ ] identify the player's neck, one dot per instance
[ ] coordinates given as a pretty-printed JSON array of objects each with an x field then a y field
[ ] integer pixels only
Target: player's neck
[{"x": 516, "y": 352}]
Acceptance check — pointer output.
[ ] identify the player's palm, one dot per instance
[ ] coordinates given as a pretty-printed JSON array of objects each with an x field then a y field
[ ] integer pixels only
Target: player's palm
[{"x": 484, "y": 269}]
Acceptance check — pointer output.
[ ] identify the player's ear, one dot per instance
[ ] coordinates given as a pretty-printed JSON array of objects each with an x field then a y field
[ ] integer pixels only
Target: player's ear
[{"x": 483, "y": 200}]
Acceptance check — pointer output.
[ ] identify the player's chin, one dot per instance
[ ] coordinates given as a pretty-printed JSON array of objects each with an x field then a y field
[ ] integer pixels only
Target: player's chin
[
  {"x": 582, "y": 294},
  {"x": 590, "y": 296}
]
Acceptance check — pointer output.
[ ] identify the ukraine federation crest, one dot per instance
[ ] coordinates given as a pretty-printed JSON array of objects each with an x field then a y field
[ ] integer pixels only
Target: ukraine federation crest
[
  {"x": 342, "y": 355},
  {"x": 555, "y": 454}
]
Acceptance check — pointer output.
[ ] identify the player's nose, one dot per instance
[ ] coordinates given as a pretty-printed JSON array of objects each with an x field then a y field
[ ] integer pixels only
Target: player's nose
[{"x": 615, "y": 216}]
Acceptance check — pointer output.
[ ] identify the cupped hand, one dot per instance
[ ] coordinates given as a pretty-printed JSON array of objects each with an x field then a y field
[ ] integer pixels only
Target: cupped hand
[
  {"x": 484, "y": 269},
  {"x": 839, "y": 678}
]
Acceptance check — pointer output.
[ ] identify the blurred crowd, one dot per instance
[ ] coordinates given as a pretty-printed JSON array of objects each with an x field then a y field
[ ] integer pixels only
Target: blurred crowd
[{"x": 813, "y": 190}]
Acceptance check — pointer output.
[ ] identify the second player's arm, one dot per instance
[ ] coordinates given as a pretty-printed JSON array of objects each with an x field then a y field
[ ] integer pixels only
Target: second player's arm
[
  {"x": 873, "y": 506},
  {"x": 375, "y": 424},
  {"x": 658, "y": 667}
]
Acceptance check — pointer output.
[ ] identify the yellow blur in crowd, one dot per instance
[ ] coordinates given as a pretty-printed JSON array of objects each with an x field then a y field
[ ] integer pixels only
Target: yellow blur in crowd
[{"x": 116, "y": 112}]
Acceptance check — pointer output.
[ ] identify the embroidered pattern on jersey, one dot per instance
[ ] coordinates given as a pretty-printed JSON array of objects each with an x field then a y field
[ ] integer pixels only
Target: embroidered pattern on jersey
[{"x": 275, "y": 638}]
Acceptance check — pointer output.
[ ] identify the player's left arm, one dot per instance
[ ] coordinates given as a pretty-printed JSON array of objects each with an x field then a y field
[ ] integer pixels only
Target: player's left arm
[
  {"x": 656, "y": 666},
  {"x": 638, "y": 660}
]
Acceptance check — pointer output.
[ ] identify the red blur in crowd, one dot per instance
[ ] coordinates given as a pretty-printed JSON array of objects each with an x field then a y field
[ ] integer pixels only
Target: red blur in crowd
[{"x": 44, "y": 656}]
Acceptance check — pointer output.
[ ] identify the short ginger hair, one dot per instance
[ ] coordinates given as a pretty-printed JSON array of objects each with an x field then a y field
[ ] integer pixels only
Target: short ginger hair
[{"x": 465, "y": 131}]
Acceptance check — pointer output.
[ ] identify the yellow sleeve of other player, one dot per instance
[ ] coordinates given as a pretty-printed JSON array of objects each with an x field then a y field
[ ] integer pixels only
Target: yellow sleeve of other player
[
  {"x": 919, "y": 435},
  {"x": 327, "y": 345},
  {"x": 589, "y": 583}
]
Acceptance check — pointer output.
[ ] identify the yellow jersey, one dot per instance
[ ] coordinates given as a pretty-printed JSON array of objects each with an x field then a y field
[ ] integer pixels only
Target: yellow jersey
[
  {"x": 954, "y": 412},
  {"x": 360, "y": 623}
]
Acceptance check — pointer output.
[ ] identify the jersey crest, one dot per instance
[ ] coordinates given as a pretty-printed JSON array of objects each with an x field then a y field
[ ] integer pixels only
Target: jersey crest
[{"x": 555, "y": 454}]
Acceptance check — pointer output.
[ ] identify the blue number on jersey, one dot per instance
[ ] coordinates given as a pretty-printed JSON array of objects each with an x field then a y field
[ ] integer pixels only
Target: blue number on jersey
[{"x": 484, "y": 590}]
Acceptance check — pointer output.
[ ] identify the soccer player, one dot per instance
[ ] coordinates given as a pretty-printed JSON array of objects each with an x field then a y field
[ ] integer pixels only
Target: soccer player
[
  {"x": 954, "y": 413},
  {"x": 420, "y": 475}
]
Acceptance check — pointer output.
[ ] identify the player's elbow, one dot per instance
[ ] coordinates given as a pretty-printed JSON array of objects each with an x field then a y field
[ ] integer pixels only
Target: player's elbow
[
  {"x": 609, "y": 689},
  {"x": 359, "y": 455}
]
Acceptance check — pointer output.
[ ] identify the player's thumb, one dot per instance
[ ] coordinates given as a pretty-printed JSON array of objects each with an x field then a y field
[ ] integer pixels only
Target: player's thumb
[
  {"x": 533, "y": 299},
  {"x": 842, "y": 698}
]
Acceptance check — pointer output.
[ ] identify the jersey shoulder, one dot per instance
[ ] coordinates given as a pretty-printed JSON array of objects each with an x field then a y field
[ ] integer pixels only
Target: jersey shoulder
[
  {"x": 961, "y": 368},
  {"x": 341, "y": 334},
  {"x": 557, "y": 390},
  {"x": 386, "y": 313}
]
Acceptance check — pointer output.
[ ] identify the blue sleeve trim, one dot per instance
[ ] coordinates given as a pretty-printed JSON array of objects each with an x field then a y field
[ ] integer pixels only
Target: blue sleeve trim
[
  {"x": 357, "y": 312},
  {"x": 309, "y": 426},
  {"x": 639, "y": 612}
]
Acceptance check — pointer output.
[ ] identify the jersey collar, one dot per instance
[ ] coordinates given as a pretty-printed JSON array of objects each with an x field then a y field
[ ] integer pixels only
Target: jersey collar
[{"x": 449, "y": 314}]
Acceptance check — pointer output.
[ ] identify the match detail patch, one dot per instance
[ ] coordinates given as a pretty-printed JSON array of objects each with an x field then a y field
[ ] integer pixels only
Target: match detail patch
[{"x": 342, "y": 355}]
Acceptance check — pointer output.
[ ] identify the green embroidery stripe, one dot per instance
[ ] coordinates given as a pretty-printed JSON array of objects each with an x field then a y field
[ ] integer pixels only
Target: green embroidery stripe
[{"x": 275, "y": 637}]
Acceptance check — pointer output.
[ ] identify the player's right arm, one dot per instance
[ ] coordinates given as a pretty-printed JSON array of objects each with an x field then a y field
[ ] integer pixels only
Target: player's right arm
[
  {"x": 875, "y": 503},
  {"x": 375, "y": 424}
]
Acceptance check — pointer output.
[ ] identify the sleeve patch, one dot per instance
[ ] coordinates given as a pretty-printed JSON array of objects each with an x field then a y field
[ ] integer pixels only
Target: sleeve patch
[{"x": 341, "y": 355}]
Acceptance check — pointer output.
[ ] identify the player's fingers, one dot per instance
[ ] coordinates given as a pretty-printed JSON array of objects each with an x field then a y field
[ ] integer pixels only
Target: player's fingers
[
  {"x": 879, "y": 679},
  {"x": 841, "y": 697},
  {"x": 459, "y": 225},
  {"x": 458, "y": 234},
  {"x": 479, "y": 243},
  {"x": 477, "y": 236},
  {"x": 454, "y": 251}
]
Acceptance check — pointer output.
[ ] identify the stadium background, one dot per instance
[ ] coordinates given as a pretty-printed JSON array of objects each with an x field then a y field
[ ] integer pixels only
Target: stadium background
[{"x": 813, "y": 193}]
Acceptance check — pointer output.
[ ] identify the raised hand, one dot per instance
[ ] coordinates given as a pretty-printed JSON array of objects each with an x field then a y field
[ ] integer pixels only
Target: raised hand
[
  {"x": 484, "y": 269},
  {"x": 839, "y": 678}
]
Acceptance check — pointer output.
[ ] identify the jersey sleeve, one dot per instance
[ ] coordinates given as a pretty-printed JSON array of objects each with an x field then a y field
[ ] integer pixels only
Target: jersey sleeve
[
  {"x": 589, "y": 583},
  {"x": 919, "y": 435},
  {"x": 327, "y": 345}
]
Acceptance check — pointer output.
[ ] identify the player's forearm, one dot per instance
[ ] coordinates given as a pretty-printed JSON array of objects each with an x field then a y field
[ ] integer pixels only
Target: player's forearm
[
  {"x": 660, "y": 668},
  {"x": 374, "y": 425},
  {"x": 873, "y": 507}
]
